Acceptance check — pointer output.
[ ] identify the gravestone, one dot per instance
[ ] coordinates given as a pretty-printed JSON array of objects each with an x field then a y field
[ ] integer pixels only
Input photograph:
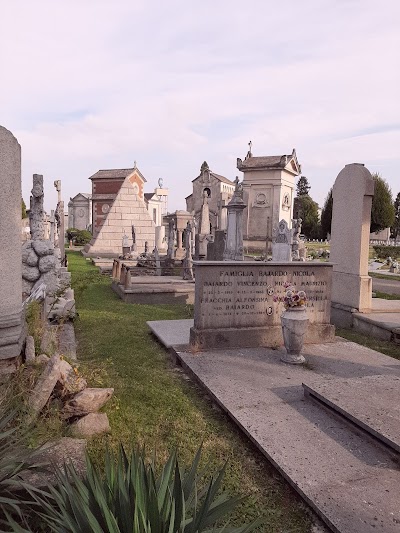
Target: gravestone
[
  {"x": 351, "y": 217},
  {"x": 236, "y": 303},
  {"x": 281, "y": 243},
  {"x": 10, "y": 246}
]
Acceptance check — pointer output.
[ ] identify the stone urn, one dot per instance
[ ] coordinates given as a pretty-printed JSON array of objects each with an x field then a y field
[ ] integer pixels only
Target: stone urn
[{"x": 294, "y": 326}]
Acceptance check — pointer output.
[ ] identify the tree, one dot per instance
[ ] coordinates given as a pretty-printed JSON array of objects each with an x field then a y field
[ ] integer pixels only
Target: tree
[
  {"x": 326, "y": 215},
  {"x": 395, "y": 229},
  {"x": 383, "y": 210},
  {"x": 305, "y": 208},
  {"x": 23, "y": 209},
  {"x": 302, "y": 186}
]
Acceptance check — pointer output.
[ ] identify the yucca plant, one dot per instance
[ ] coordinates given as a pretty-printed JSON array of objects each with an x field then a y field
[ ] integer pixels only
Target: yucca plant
[
  {"x": 131, "y": 498},
  {"x": 15, "y": 461}
]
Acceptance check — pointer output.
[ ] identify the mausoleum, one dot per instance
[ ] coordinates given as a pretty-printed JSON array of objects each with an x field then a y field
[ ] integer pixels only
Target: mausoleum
[{"x": 268, "y": 191}]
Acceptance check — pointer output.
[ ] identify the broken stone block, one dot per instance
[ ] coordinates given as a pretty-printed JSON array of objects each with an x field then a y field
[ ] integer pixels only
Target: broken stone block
[
  {"x": 49, "y": 343},
  {"x": 45, "y": 385},
  {"x": 91, "y": 424},
  {"x": 43, "y": 247},
  {"x": 87, "y": 401},
  {"x": 30, "y": 349},
  {"x": 30, "y": 273},
  {"x": 47, "y": 263},
  {"x": 69, "y": 382}
]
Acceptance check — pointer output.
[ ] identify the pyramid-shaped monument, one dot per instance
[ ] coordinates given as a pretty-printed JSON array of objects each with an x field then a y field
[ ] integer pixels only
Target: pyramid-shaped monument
[{"x": 127, "y": 210}]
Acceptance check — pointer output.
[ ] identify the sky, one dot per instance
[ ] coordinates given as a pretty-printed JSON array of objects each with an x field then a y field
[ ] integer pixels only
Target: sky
[{"x": 93, "y": 84}]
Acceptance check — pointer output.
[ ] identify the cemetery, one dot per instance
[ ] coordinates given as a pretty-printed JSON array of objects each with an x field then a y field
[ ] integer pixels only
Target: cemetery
[{"x": 210, "y": 325}]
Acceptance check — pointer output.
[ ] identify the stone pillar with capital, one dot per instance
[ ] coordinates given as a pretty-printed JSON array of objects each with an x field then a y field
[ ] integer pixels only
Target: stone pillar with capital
[
  {"x": 234, "y": 234},
  {"x": 11, "y": 335}
]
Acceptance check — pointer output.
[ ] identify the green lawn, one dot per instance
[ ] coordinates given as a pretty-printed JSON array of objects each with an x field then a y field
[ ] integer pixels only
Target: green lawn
[
  {"x": 386, "y": 347},
  {"x": 383, "y": 276},
  {"x": 157, "y": 405}
]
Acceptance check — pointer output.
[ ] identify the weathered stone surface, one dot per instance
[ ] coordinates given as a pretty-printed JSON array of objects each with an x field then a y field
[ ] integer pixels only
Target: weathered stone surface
[
  {"x": 42, "y": 359},
  {"x": 43, "y": 247},
  {"x": 69, "y": 382},
  {"x": 10, "y": 246},
  {"x": 91, "y": 424},
  {"x": 30, "y": 349},
  {"x": 36, "y": 214},
  {"x": 57, "y": 454},
  {"x": 26, "y": 250},
  {"x": 87, "y": 401},
  {"x": 47, "y": 263},
  {"x": 30, "y": 273},
  {"x": 26, "y": 287},
  {"x": 45, "y": 385},
  {"x": 51, "y": 281},
  {"x": 49, "y": 343},
  {"x": 67, "y": 340},
  {"x": 32, "y": 259}
]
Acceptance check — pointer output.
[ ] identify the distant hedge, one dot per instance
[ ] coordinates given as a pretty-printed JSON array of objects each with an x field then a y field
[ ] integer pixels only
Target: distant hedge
[{"x": 387, "y": 251}]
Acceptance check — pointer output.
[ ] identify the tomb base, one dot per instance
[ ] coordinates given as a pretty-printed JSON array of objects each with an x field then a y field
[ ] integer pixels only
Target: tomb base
[{"x": 254, "y": 337}]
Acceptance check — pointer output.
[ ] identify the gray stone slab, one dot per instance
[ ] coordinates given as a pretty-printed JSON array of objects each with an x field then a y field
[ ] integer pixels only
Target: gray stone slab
[
  {"x": 380, "y": 305},
  {"x": 349, "y": 480},
  {"x": 377, "y": 412},
  {"x": 171, "y": 332}
]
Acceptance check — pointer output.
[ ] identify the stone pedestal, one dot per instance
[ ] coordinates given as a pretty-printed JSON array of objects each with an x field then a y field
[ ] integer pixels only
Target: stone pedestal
[{"x": 10, "y": 246}]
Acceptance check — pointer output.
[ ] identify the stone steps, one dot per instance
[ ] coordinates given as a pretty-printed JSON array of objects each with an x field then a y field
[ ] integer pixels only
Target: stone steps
[{"x": 377, "y": 414}]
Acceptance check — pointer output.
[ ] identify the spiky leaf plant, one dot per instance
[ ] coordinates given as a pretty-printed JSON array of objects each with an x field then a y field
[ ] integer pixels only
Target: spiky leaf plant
[
  {"x": 15, "y": 461},
  {"x": 131, "y": 498}
]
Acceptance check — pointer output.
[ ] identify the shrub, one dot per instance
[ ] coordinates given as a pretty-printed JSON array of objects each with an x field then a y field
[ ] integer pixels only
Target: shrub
[
  {"x": 384, "y": 252},
  {"x": 131, "y": 497}
]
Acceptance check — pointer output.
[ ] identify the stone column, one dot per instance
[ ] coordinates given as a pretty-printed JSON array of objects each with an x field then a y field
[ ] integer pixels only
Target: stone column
[
  {"x": 351, "y": 218},
  {"x": 223, "y": 221},
  {"x": 234, "y": 233},
  {"x": 10, "y": 246},
  {"x": 36, "y": 215},
  {"x": 52, "y": 223}
]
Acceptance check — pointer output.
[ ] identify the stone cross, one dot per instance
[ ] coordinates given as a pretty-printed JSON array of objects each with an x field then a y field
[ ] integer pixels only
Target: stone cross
[{"x": 11, "y": 335}]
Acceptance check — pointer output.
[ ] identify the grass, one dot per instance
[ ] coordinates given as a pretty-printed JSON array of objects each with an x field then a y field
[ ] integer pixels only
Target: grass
[
  {"x": 383, "y": 276},
  {"x": 157, "y": 405},
  {"x": 386, "y": 296},
  {"x": 386, "y": 347}
]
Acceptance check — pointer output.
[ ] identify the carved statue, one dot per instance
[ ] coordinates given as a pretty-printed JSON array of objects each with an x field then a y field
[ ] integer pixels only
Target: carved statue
[{"x": 171, "y": 239}]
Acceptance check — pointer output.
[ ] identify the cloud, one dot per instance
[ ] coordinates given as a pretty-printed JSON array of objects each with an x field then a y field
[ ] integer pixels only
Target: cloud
[{"x": 99, "y": 84}]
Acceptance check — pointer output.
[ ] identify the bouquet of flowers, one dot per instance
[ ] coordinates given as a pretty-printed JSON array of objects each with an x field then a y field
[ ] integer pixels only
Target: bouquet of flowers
[{"x": 292, "y": 297}]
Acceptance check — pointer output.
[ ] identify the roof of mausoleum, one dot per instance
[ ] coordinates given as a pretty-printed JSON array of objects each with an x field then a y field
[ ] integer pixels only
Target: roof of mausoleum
[
  {"x": 116, "y": 173},
  {"x": 270, "y": 161},
  {"x": 218, "y": 177}
]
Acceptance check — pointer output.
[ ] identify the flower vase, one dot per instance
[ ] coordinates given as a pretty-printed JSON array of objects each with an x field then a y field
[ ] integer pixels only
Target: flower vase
[{"x": 294, "y": 326}]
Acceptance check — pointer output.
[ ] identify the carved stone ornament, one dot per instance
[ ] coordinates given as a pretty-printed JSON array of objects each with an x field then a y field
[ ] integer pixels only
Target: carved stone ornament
[
  {"x": 105, "y": 208},
  {"x": 286, "y": 202},
  {"x": 260, "y": 200}
]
